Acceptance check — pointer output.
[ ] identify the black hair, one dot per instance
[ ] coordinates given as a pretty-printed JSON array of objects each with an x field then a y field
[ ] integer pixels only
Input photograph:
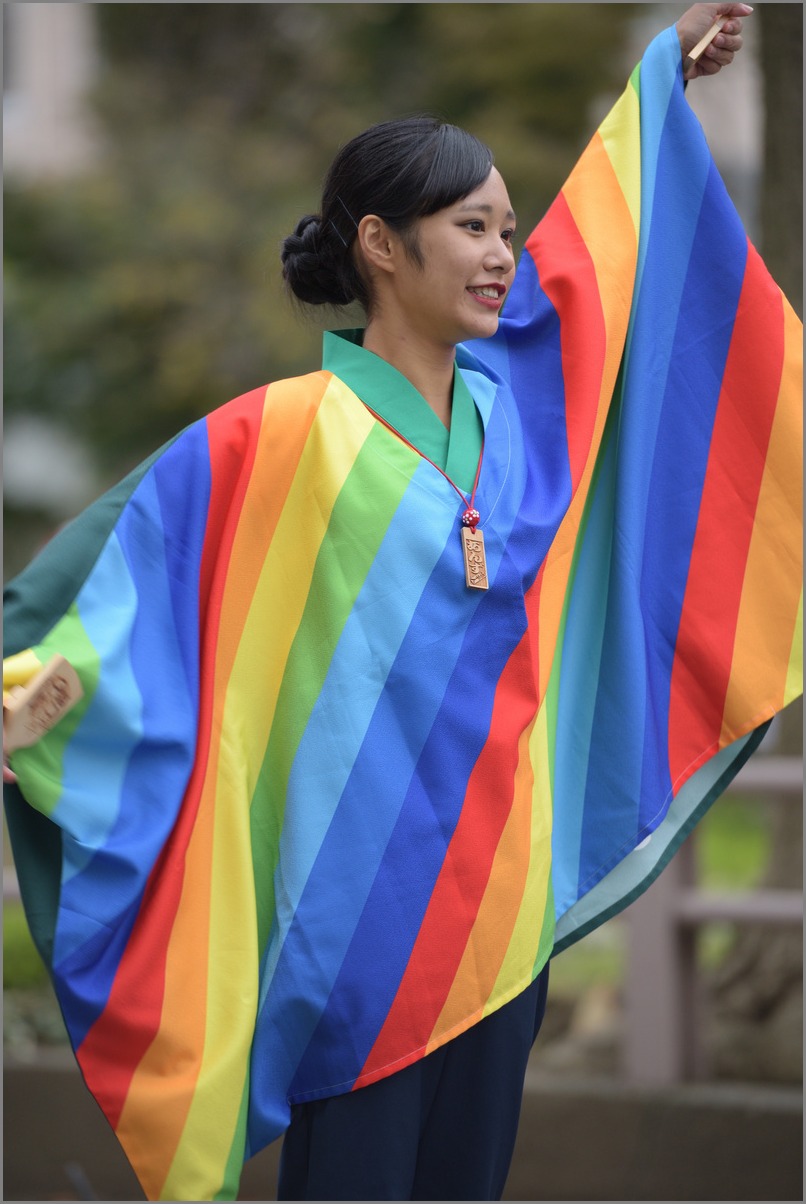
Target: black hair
[{"x": 400, "y": 170}]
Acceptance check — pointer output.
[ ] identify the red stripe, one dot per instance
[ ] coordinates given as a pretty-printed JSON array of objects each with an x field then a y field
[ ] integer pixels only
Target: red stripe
[
  {"x": 739, "y": 442},
  {"x": 120, "y": 1037},
  {"x": 568, "y": 278},
  {"x": 460, "y": 887},
  {"x": 567, "y": 275}
]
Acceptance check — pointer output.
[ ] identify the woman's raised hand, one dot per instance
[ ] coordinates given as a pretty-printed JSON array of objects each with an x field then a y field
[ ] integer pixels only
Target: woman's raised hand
[{"x": 696, "y": 22}]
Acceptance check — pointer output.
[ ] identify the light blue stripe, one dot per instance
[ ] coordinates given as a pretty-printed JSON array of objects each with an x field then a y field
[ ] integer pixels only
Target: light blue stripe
[
  {"x": 482, "y": 389},
  {"x": 143, "y": 745},
  {"x": 96, "y": 759},
  {"x": 384, "y": 608},
  {"x": 635, "y": 871},
  {"x": 604, "y": 631},
  {"x": 581, "y": 656},
  {"x": 653, "y": 106},
  {"x": 292, "y": 1000},
  {"x": 386, "y": 747},
  {"x": 366, "y": 652},
  {"x": 358, "y": 670},
  {"x": 672, "y": 221}
]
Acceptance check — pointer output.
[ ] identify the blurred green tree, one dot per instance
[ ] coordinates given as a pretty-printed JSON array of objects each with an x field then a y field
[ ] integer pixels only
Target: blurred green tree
[{"x": 145, "y": 293}]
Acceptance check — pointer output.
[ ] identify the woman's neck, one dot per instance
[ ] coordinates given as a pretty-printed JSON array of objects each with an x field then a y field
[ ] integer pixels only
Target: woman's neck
[{"x": 426, "y": 366}]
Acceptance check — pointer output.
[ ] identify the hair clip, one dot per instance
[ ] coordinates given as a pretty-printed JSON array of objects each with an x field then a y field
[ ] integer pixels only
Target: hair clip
[
  {"x": 344, "y": 241},
  {"x": 338, "y": 233},
  {"x": 347, "y": 211}
]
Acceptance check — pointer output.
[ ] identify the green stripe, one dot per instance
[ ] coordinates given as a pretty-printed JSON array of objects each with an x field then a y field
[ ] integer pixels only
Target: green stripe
[
  {"x": 41, "y": 594},
  {"x": 234, "y": 1166},
  {"x": 400, "y": 404},
  {"x": 33, "y": 603},
  {"x": 41, "y": 768},
  {"x": 36, "y": 842},
  {"x": 366, "y": 505},
  {"x": 553, "y": 687},
  {"x": 635, "y": 80},
  {"x": 546, "y": 942}
]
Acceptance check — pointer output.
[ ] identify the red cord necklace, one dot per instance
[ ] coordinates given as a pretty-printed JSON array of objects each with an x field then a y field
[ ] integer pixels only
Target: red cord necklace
[{"x": 472, "y": 538}]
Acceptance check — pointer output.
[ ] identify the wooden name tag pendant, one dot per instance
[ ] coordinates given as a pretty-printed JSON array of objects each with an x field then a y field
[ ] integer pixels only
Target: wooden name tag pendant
[
  {"x": 475, "y": 559},
  {"x": 31, "y": 710}
]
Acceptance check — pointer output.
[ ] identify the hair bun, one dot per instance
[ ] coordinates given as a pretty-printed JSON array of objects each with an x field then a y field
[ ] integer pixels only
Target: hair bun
[{"x": 314, "y": 267}]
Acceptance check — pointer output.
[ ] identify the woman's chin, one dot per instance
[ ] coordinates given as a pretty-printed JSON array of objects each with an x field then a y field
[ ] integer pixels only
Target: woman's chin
[
  {"x": 483, "y": 328},
  {"x": 481, "y": 325}
]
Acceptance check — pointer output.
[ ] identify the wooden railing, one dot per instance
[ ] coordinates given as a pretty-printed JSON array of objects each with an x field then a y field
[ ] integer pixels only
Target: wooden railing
[{"x": 662, "y": 990}]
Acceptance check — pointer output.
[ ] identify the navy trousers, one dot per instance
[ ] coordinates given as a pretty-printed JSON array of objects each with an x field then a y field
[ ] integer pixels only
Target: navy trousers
[{"x": 442, "y": 1129}]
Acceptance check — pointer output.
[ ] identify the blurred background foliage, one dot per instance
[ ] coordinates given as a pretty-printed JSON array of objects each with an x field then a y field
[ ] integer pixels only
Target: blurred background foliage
[{"x": 146, "y": 291}]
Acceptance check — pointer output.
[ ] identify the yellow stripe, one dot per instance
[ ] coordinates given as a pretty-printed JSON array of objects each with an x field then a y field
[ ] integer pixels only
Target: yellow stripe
[
  {"x": 523, "y": 944},
  {"x": 334, "y": 442},
  {"x": 619, "y": 132},
  {"x": 794, "y": 677},
  {"x": 605, "y": 222},
  {"x": 20, "y": 668},
  {"x": 327, "y": 461},
  {"x": 162, "y": 1088}
]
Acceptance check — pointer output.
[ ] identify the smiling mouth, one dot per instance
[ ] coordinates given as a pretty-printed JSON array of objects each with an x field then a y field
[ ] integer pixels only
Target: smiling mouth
[{"x": 493, "y": 291}]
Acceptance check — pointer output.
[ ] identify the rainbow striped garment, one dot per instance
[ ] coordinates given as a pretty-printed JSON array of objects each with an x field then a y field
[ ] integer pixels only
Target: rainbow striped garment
[{"x": 301, "y": 829}]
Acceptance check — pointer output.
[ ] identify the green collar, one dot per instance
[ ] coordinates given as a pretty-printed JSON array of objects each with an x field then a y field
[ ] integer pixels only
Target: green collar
[{"x": 396, "y": 400}]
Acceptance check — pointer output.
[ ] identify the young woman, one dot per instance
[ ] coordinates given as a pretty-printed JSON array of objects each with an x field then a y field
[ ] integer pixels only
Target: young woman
[{"x": 440, "y": 681}]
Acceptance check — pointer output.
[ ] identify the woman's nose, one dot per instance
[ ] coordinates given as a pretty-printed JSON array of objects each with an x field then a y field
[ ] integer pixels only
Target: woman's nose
[{"x": 499, "y": 256}]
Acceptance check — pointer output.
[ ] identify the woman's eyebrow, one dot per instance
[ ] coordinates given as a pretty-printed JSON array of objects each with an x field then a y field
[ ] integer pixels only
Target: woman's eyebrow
[{"x": 485, "y": 209}]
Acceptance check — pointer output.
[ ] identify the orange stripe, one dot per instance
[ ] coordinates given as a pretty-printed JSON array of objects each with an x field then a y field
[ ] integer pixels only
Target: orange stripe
[
  {"x": 736, "y": 461},
  {"x": 602, "y": 216},
  {"x": 462, "y": 880},
  {"x": 769, "y": 606},
  {"x": 153, "y": 981},
  {"x": 495, "y": 922},
  {"x": 594, "y": 311},
  {"x": 458, "y": 902},
  {"x": 571, "y": 231},
  {"x": 123, "y": 1032},
  {"x": 280, "y": 445}
]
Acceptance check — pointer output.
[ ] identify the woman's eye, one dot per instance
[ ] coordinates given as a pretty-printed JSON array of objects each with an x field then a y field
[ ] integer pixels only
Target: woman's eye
[{"x": 477, "y": 226}]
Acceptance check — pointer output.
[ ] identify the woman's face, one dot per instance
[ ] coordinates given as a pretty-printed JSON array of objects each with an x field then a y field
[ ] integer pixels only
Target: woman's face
[{"x": 468, "y": 266}]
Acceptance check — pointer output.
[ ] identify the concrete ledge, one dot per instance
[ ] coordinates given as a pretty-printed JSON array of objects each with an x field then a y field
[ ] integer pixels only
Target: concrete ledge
[
  {"x": 599, "y": 1139},
  {"x": 594, "y": 1139}
]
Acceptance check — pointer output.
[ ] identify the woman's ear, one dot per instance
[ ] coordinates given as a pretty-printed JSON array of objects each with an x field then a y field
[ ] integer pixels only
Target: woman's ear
[{"x": 377, "y": 243}]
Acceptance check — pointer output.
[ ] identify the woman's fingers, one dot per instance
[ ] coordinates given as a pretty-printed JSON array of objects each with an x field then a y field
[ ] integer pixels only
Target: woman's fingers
[
  {"x": 695, "y": 24},
  {"x": 722, "y": 55},
  {"x": 726, "y": 43}
]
